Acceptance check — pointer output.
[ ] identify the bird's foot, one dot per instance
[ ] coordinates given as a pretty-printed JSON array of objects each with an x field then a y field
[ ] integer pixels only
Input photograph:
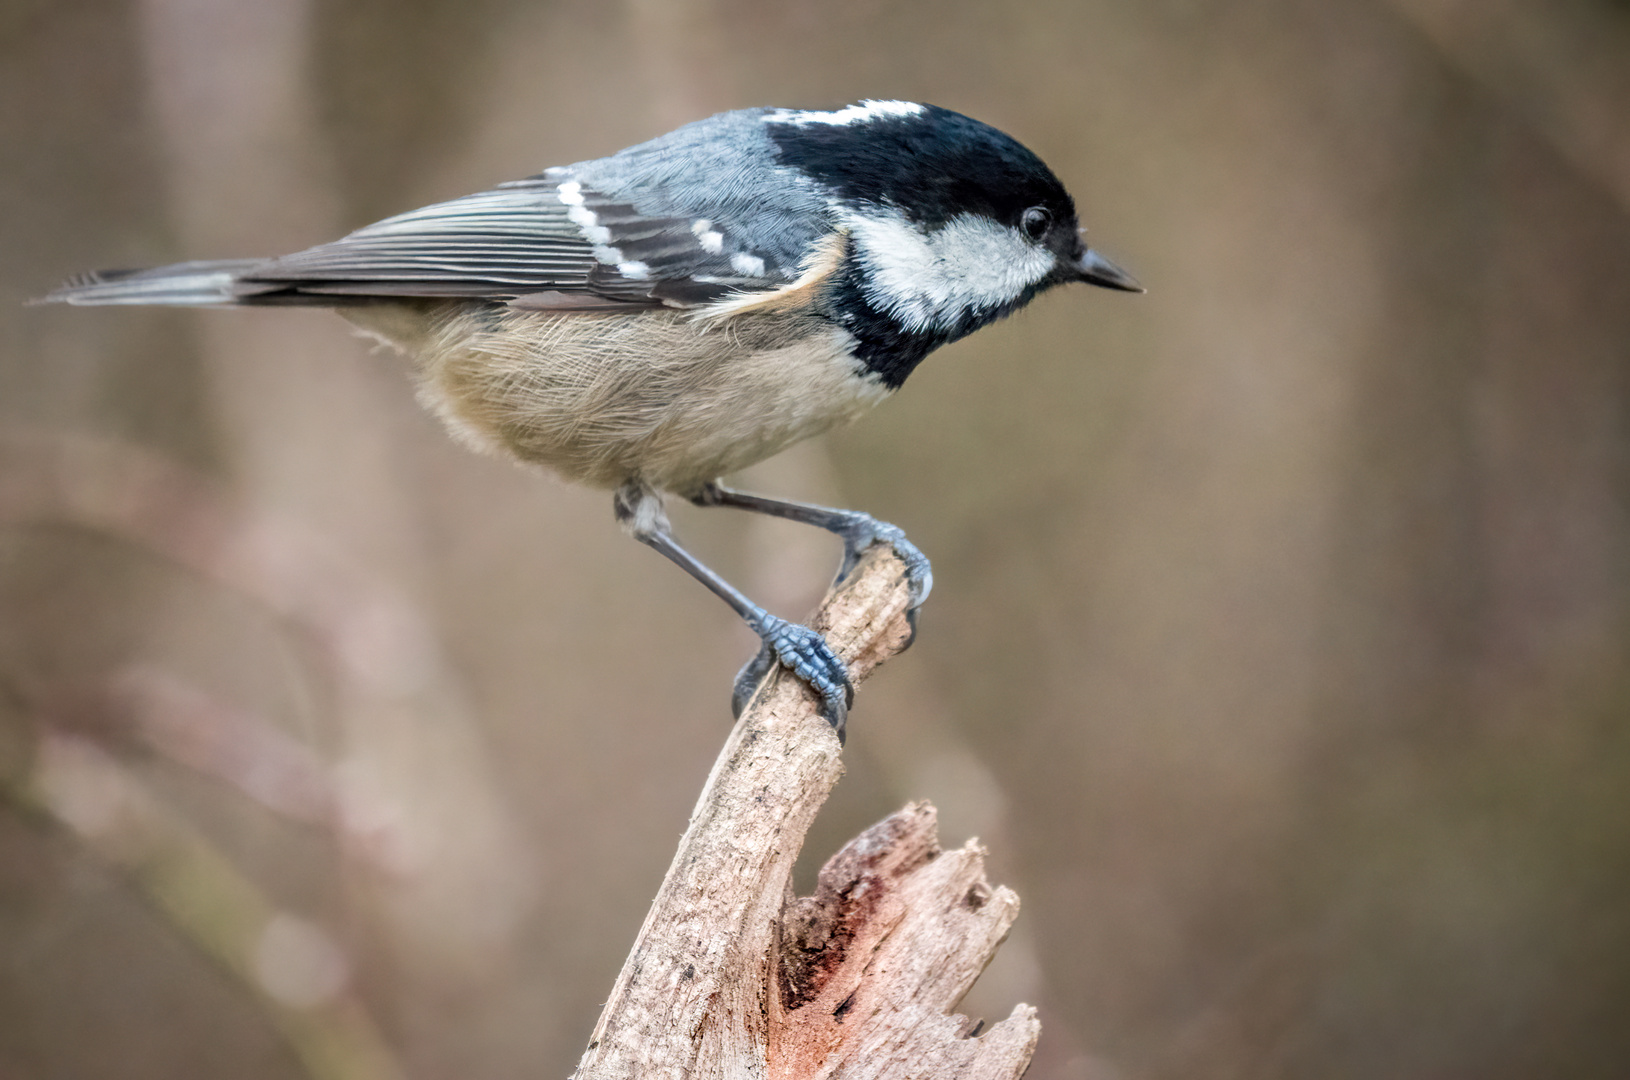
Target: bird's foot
[
  {"x": 807, "y": 655},
  {"x": 865, "y": 531}
]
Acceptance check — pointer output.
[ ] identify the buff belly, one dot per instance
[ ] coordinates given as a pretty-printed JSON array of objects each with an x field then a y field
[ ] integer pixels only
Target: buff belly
[{"x": 602, "y": 399}]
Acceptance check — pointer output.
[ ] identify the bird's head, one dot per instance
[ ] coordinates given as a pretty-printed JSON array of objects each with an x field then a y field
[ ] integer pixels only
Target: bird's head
[{"x": 952, "y": 223}]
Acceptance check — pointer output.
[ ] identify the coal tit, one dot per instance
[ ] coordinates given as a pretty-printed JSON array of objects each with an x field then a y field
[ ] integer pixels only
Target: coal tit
[{"x": 654, "y": 320}]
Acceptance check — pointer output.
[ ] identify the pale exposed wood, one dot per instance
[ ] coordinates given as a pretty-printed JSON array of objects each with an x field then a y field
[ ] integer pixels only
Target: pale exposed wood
[{"x": 733, "y": 977}]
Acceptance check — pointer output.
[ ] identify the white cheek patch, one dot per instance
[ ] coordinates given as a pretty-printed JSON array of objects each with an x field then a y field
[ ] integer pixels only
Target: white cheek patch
[{"x": 929, "y": 280}]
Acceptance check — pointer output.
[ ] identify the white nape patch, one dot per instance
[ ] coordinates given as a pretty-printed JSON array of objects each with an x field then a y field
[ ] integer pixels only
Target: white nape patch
[
  {"x": 750, "y": 265},
  {"x": 634, "y": 271},
  {"x": 852, "y": 114},
  {"x": 711, "y": 239},
  {"x": 928, "y": 279}
]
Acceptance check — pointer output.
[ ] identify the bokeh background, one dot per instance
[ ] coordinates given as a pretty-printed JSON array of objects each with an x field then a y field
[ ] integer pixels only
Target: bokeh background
[{"x": 1278, "y": 647}]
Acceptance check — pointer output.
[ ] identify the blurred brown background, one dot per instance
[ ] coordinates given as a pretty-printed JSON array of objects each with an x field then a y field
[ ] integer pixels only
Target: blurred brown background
[{"x": 1278, "y": 648}]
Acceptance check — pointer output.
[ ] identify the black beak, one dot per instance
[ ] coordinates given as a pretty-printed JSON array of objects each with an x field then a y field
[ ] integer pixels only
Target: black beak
[{"x": 1094, "y": 269}]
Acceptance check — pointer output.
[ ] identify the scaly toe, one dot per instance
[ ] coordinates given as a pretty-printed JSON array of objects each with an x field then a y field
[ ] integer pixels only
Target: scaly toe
[{"x": 807, "y": 655}]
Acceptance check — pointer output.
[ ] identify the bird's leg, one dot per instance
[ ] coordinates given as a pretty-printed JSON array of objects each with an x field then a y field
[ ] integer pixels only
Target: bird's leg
[
  {"x": 798, "y": 648},
  {"x": 858, "y": 531}
]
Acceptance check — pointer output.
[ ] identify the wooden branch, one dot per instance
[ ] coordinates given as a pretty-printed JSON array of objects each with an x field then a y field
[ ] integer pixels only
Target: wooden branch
[{"x": 731, "y": 976}]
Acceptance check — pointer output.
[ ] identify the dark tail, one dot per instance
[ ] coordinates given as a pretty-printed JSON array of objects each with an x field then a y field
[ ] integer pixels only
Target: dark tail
[{"x": 190, "y": 284}]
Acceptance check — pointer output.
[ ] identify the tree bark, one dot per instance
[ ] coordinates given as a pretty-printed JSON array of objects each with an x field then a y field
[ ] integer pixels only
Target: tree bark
[{"x": 732, "y": 976}]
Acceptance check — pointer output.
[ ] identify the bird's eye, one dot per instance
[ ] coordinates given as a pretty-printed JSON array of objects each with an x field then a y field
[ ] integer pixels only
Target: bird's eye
[{"x": 1035, "y": 222}]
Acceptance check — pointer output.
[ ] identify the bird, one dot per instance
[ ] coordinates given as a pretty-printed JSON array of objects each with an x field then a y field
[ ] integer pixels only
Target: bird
[{"x": 652, "y": 321}]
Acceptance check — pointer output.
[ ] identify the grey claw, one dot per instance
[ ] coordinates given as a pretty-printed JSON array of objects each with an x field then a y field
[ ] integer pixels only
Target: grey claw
[
  {"x": 911, "y": 623},
  {"x": 838, "y": 717},
  {"x": 865, "y": 533},
  {"x": 747, "y": 679}
]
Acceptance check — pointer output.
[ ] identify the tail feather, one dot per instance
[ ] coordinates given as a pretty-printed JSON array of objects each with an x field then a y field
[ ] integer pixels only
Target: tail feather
[{"x": 192, "y": 284}]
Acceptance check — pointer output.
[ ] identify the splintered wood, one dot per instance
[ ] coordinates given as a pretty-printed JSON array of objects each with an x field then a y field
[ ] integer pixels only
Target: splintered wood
[
  {"x": 733, "y": 977},
  {"x": 872, "y": 964}
]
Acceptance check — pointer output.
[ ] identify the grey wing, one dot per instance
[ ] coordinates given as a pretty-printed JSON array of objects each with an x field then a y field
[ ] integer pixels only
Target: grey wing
[
  {"x": 510, "y": 242},
  {"x": 706, "y": 208},
  {"x": 649, "y": 246},
  {"x": 528, "y": 243}
]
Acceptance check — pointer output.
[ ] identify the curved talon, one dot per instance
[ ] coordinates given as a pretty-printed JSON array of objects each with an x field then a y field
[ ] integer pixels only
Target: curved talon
[
  {"x": 868, "y": 531},
  {"x": 911, "y": 624},
  {"x": 837, "y": 714},
  {"x": 747, "y": 679}
]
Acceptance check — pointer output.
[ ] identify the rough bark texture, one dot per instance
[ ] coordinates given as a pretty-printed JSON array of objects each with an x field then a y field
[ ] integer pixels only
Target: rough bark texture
[{"x": 731, "y": 976}]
